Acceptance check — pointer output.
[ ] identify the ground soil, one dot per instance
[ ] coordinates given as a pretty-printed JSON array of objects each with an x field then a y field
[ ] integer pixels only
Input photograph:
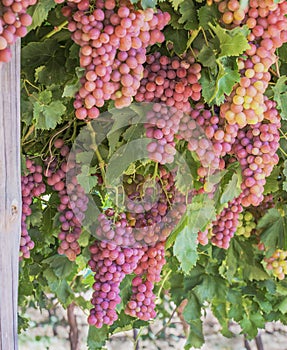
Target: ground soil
[{"x": 51, "y": 331}]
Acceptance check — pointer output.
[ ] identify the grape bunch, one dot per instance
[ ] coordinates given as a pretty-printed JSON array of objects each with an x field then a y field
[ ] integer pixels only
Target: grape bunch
[
  {"x": 162, "y": 125},
  {"x": 154, "y": 214},
  {"x": 73, "y": 201},
  {"x": 268, "y": 31},
  {"x": 255, "y": 149},
  {"x": 111, "y": 260},
  {"x": 225, "y": 225},
  {"x": 232, "y": 12},
  {"x": 113, "y": 40},
  {"x": 142, "y": 301},
  {"x": 171, "y": 81},
  {"x": 246, "y": 224},
  {"x": 32, "y": 185},
  {"x": 277, "y": 263},
  {"x": 14, "y": 21}
]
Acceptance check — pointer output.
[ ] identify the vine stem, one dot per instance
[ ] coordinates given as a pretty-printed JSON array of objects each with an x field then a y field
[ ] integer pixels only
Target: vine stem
[
  {"x": 55, "y": 30},
  {"x": 30, "y": 131},
  {"x": 95, "y": 148},
  {"x": 74, "y": 331},
  {"x": 162, "y": 283},
  {"x": 168, "y": 322}
]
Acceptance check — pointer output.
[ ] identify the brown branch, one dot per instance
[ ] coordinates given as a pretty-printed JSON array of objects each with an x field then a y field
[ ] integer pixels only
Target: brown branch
[
  {"x": 246, "y": 343},
  {"x": 258, "y": 341},
  {"x": 74, "y": 331}
]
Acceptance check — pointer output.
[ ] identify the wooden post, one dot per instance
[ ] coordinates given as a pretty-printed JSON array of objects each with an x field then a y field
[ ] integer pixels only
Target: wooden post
[{"x": 10, "y": 198}]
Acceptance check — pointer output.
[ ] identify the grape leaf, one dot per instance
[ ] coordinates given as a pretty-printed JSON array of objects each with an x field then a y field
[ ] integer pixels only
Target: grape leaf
[
  {"x": 97, "y": 337},
  {"x": 195, "y": 336},
  {"x": 232, "y": 188},
  {"x": 178, "y": 37},
  {"x": 207, "y": 57},
  {"x": 71, "y": 88},
  {"x": 39, "y": 12},
  {"x": 274, "y": 229},
  {"x": 272, "y": 183},
  {"x": 188, "y": 15},
  {"x": 48, "y": 54},
  {"x": 232, "y": 42},
  {"x": 48, "y": 116},
  {"x": 215, "y": 88},
  {"x": 176, "y": 3},
  {"x": 192, "y": 311},
  {"x": 148, "y": 4},
  {"x": 185, "y": 249},
  {"x": 208, "y": 14},
  {"x": 280, "y": 96}
]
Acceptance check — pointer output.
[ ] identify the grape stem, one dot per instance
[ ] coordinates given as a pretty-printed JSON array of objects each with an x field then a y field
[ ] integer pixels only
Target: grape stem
[
  {"x": 95, "y": 148},
  {"x": 55, "y": 30}
]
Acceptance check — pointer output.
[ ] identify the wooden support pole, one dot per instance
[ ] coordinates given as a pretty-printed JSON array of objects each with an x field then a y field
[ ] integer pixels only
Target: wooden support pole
[{"x": 10, "y": 198}]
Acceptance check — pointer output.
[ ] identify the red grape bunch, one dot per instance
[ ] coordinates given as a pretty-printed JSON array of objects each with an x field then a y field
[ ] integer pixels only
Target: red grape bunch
[
  {"x": 268, "y": 24},
  {"x": 73, "y": 202},
  {"x": 111, "y": 260},
  {"x": 255, "y": 149},
  {"x": 171, "y": 81},
  {"x": 32, "y": 186},
  {"x": 14, "y": 21},
  {"x": 113, "y": 40},
  {"x": 142, "y": 301},
  {"x": 225, "y": 225}
]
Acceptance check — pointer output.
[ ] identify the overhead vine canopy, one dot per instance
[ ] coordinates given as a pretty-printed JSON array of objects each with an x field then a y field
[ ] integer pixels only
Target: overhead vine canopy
[{"x": 154, "y": 159}]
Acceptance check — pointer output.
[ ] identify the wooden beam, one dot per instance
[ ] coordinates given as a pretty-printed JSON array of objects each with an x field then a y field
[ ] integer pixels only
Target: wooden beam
[{"x": 10, "y": 198}]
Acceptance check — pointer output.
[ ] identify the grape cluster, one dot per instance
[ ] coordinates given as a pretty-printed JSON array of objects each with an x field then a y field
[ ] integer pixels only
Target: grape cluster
[
  {"x": 73, "y": 201},
  {"x": 246, "y": 224},
  {"x": 277, "y": 263},
  {"x": 161, "y": 126},
  {"x": 225, "y": 225},
  {"x": 113, "y": 40},
  {"x": 154, "y": 219},
  {"x": 111, "y": 262},
  {"x": 141, "y": 303},
  {"x": 255, "y": 149},
  {"x": 32, "y": 186},
  {"x": 268, "y": 31},
  {"x": 171, "y": 81},
  {"x": 233, "y": 14},
  {"x": 14, "y": 21}
]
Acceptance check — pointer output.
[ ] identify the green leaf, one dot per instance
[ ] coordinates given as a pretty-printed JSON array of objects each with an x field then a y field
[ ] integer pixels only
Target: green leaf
[
  {"x": 207, "y": 57},
  {"x": 123, "y": 157},
  {"x": 216, "y": 87},
  {"x": 232, "y": 42},
  {"x": 148, "y": 4},
  {"x": 282, "y": 307},
  {"x": 188, "y": 15},
  {"x": 178, "y": 37},
  {"x": 272, "y": 183},
  {"x": 192, "y": 311},
  {"x": 211, "y": 287},
  {"x": 208, "y": 14},
  {"x": 176, "y": 3},
  {"x": 48, "y": 54},
  {"x": 48, "y": 116},
  {"x": 61, "y": 265},
  {"x": 97, "y": 337},
  {"x": 195, "y": 337},
  {"x": 232, "y": 188},
  {"x": 86, "y": 179},
  {"x": 280, "y": 96},
  {"x": 71, "y": 89},
  {"x": 185, "y": 249},
  {"x": 274, "y": 230},
  {"x": 175, "y": 16},
  {"x": 39, "y": 12}
]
